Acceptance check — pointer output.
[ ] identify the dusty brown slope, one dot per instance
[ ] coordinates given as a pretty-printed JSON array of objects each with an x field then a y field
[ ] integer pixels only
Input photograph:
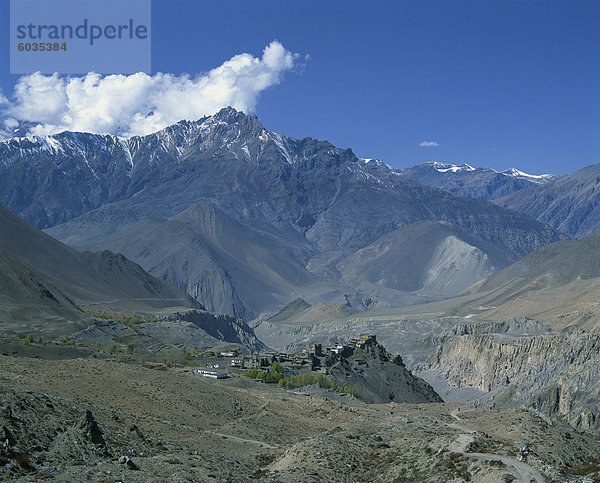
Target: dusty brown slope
[
  {"x": 559, "y": 283},
  {"x": 427, "y": 257},
  {"x": 28, "y": 303},
  {"x": 311, "y": 313}
]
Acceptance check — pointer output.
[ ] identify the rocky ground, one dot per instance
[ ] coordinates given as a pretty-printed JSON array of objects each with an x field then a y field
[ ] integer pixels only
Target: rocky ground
[{"x": 67, "y": 416}]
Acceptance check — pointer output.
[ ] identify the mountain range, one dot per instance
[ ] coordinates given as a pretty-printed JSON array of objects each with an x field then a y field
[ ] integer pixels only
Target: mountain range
[
  {"x": 479, "y": 183},
  {"x": 245, "y": 219},
  {"x": 529, "y": 335},
  {"x": 568, "y": 203}
]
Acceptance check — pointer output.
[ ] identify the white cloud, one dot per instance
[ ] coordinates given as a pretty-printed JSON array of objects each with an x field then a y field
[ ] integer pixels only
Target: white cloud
[
  {"x": 11, "y": 123},
  {"x": 429, "y": 144},
  {"x": 140, "y": 103}
]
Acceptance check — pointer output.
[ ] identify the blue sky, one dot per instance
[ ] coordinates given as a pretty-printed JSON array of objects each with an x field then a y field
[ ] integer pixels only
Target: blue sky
[{"x": 495, "y": 83}]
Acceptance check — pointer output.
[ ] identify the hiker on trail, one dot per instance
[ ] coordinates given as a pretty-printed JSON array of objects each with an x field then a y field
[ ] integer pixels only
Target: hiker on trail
[{"x": 523, "y": 452}]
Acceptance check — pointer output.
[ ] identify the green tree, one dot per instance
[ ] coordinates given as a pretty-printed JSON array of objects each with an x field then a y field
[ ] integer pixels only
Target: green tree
[
  {"x": 26, "y": 340},
  {"x": 273, "y": 377},
  {"x": 252, "y": 373}
]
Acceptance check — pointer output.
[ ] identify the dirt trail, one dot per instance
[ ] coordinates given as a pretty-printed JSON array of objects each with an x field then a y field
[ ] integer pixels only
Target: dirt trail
[
  {"x": 460, "y": 445},
  {"x": 154, "y": 299},
  {"x": 242, "y": 440}
]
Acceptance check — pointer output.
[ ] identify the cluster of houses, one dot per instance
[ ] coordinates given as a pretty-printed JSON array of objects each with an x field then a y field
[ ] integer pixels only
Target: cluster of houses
[
  {"x": 339, "y": 349},
  {"x": 289, "y": 361}
]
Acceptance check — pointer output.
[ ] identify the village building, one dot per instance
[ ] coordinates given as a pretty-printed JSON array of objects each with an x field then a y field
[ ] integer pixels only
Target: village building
[
  {"x": 336, "y": 349},
  {"x": 257, "y": 362},
  {"x": 317, "y": 350},
  {"x": 363, "y": 339},
  {"x": 211, "y": 373}
]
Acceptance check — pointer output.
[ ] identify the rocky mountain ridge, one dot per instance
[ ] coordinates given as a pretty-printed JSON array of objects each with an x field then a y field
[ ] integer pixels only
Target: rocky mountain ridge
[
  {"x": 189, "y": 330},
  {"x": 569, "y": 204}
]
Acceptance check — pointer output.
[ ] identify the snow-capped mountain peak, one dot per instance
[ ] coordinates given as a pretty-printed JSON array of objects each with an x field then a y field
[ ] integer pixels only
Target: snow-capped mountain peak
[
  {"x": 453, "y": 168},
  {"x": 376, "y": 162},
  {"x": 534, "y": 178}
]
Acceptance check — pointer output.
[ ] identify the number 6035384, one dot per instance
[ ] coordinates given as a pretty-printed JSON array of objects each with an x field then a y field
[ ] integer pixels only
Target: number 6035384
[{"x": 42, "y": 47}]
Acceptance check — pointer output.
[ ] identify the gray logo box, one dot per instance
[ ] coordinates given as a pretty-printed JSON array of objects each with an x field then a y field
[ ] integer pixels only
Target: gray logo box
[{"x": 80, "y": 36}]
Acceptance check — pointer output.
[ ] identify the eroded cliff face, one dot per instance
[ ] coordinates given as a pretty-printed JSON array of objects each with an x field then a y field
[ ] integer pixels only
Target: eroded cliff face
[{"x": 557, "y": 374}]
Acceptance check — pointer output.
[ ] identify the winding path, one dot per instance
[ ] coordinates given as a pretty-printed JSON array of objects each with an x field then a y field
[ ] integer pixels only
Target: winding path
[{"x": 460, "y": 445}]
